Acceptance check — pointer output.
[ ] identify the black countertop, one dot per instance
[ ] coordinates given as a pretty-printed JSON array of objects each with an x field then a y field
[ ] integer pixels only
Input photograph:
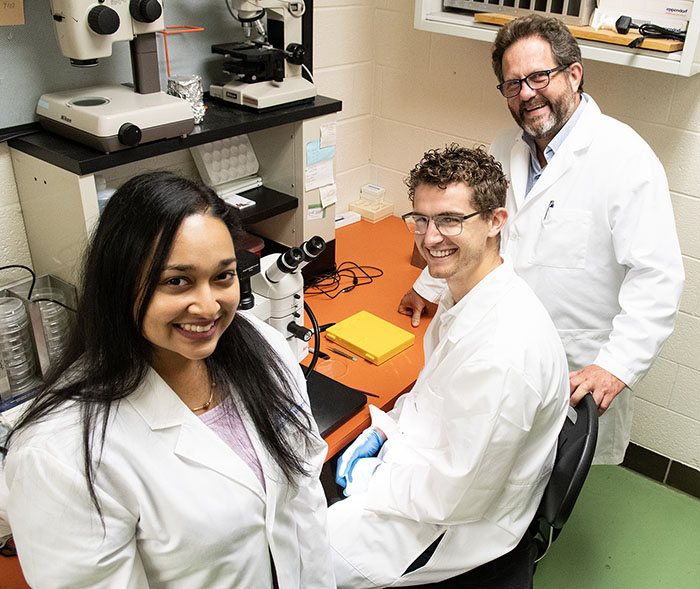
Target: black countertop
[{"x": 221, "y": 121}]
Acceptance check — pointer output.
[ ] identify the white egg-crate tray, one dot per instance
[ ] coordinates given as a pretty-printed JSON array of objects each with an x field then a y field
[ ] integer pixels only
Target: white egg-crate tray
[{"x": 221, "y": 162}]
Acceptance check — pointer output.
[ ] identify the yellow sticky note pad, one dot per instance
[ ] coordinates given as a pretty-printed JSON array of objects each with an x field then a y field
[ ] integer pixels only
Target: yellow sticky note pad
[{"x": 370, "y": 337}]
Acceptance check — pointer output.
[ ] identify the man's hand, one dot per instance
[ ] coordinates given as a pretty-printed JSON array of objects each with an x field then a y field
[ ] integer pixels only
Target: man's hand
[
  {"x": 602, "y": 384},
  {"x": 414, "y": 305},
  {"x": 366, "y": 445},
  {"x": 359, "y": 475}
]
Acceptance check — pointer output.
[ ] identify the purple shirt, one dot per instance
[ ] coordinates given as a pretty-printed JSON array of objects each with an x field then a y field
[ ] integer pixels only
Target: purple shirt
[{"x": 226, "y": 423}]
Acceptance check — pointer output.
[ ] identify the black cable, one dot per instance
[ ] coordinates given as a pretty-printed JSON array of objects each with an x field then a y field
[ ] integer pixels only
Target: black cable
[
  {"x": 18, "y": 131},
  {"x": 317, "y": 341},
  {"x": 31, "y": 287},
  {"x": 328, "y": 283},
  {"x": 28, "y": 269},
  {"x": 653, "y": 31},
  {"x": 43, "y": 300}
]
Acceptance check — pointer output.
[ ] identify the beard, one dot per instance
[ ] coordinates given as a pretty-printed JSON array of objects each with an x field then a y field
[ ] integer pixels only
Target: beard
[{"x": 545, "y": 128}]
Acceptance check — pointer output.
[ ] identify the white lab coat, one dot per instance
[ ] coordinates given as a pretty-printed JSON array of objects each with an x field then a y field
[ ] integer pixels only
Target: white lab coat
[
  {"x": 181, "y": 508},
  {"x": 469, "y": 449},
  {"x": 604, "y": 259}
]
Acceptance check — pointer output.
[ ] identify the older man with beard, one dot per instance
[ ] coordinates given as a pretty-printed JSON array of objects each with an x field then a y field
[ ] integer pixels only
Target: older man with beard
[{"x": 590, "y": 226}]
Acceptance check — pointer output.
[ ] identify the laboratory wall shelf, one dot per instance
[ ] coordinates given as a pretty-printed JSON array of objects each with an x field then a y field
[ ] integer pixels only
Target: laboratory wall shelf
[
  {"x": 432, "y": 17},
  {"x": 220, "y": 122},
  {"x": 268, "y": 203},
  {"x": 57, "y": 179}
]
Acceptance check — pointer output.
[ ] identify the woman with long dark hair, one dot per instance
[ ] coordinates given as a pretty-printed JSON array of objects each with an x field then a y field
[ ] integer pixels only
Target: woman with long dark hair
[{"x": 174, "y": 445}]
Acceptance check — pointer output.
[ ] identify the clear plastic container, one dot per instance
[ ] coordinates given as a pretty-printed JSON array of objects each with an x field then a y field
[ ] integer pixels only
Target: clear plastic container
[
  {"x": 16, "y": 345},
  {"x": 54, "y": 320}
]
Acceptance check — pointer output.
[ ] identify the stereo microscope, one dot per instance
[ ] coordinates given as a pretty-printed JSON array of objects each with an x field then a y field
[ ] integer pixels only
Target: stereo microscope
[{"x": 111, "y": 118}]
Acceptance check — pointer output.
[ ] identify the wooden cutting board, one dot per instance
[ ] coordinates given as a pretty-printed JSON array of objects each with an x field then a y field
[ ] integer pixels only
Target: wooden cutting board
[{"x": 590, "y": 34}]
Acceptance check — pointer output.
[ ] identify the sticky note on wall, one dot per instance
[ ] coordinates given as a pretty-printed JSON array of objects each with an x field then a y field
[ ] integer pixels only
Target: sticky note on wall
[{"x": 11, "y": 13}]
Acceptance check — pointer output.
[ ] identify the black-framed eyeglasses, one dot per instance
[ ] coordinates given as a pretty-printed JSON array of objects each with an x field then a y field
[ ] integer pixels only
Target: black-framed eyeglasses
[
  {"x": 447, "y": 224},
  {"x": 535, "y": 80}
]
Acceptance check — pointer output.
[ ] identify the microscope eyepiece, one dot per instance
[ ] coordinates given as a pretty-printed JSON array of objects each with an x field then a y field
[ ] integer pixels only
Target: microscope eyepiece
[
  {"x": 313, "y": 247},
  {"x": 290, "y": 259},
  {"x": 286, "y": 264}
]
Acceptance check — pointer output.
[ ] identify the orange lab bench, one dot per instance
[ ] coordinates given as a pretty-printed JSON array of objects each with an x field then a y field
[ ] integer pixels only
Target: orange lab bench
[{"x": 386, "y": 245}]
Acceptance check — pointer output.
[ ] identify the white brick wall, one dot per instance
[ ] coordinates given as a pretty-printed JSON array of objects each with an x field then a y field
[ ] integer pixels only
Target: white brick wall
[
  {"x": 344, "y": 69},
  {"x": 432, "y": 89},
  {"x": 405, "y": 91},
  {"x": 13, "y": 238}
]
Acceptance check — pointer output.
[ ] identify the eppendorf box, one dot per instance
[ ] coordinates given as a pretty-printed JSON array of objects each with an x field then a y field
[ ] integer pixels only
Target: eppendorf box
[{"x": 671, "y": 14}]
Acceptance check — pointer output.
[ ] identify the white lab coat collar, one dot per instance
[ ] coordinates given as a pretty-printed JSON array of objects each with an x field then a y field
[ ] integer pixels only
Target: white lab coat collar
[
  {"x": 157, "y": 404},
  {"x": 456, "y": 319},
  {"x": 579, "y": 140},
  {"x": 161, "y": 409}
]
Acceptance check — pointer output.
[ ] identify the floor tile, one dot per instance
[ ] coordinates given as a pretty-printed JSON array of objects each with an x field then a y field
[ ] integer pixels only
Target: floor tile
[{"x": 626, "y": 532}]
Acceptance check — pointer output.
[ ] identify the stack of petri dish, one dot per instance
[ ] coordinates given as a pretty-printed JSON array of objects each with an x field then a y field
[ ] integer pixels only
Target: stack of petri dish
[
  {"x": 54, "y": 320},
  {"x": 16, "y": 345}
]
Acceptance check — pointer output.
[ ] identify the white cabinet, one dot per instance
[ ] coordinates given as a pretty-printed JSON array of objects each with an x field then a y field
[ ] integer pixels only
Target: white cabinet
[{"x": 430, "y": 16}]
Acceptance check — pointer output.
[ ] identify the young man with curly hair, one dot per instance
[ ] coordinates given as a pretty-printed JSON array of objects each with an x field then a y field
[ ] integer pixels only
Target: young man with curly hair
[{"x": 451, "y": 477}]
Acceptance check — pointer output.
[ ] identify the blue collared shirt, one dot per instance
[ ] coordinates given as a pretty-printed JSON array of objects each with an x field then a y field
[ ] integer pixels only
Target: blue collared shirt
[{"x": 535, "y": 170}]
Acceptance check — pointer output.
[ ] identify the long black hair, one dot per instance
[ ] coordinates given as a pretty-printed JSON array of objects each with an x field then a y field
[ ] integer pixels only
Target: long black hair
[{"x": 107, "y": 357}]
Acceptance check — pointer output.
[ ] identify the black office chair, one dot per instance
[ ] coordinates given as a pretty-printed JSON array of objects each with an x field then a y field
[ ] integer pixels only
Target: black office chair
[{"x": 575, "y": 449}]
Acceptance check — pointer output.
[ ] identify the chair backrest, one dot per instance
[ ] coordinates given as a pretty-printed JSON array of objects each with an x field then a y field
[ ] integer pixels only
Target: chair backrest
[{"x": 575, "y": 449}]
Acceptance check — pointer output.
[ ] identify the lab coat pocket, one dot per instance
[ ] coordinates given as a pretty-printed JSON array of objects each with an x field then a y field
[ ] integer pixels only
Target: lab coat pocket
[
  {"x": 563, "y": 239},
  {"x": 582, "y": 345}
]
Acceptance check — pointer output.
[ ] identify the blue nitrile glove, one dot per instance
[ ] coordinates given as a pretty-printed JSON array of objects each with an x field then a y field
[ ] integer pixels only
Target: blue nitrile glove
[
  {"x": 365, "y": 445},
  {"x": 359, "y": 475}
]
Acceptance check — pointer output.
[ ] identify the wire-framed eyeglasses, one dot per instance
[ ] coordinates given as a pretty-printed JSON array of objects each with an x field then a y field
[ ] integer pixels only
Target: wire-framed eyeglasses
[
  {"x": 535, "y": 80},
  {"x": 447, "y": 224}
]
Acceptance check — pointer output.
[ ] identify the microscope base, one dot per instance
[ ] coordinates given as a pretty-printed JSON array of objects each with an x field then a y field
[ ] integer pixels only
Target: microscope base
[
  {"x": 263, "y": 95},
  {"x": 95, "y": 116}
]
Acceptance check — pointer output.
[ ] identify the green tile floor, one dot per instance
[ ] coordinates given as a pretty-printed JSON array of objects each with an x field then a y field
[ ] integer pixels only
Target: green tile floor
[{"x": 626, "y": 532}]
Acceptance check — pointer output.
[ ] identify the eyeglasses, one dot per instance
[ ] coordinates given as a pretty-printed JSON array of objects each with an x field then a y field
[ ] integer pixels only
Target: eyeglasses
[
  {"x": 536, "y": 81},
  {"x": 448, "y": 225}
]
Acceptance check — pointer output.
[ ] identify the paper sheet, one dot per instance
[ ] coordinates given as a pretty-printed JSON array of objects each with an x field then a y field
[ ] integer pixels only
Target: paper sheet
[
  {"x": 328, "y": 134},
  {"x": 315, "y": 212},
  {"x": 315, "y": 153},
  {"x": 329, "y": 195},
  {"x": 318, "y": 175}
]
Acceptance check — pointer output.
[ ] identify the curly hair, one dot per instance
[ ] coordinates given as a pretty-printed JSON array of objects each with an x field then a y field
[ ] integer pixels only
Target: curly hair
[
  {"x": 564, "y": 47},
  {"x": 476, "y": 168}
]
